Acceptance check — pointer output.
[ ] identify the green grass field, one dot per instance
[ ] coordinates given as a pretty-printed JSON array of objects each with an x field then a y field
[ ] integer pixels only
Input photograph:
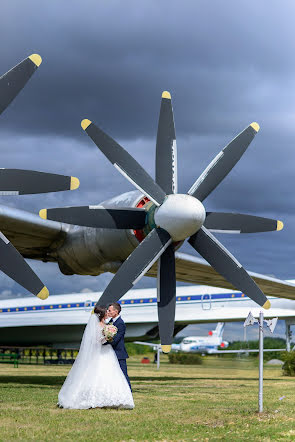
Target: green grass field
[{"x": 215, "y": 401}]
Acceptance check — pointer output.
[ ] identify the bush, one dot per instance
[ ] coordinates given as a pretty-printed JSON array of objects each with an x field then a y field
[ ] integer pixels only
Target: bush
[
  {"x": 289, "y": 364},
  {"x": 185, "y": 358}
]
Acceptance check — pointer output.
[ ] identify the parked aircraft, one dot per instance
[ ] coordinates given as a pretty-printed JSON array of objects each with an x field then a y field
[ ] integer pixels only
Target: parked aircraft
[
  {"x": 197, "y": 344},
  {"x": 60, "y": 320},
  {"x": 146, "y": 226},
  {"x": 203, "y": 344}
]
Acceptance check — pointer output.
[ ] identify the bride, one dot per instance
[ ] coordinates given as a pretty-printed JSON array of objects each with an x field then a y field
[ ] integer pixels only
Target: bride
[{"x": 96, "y": 379}]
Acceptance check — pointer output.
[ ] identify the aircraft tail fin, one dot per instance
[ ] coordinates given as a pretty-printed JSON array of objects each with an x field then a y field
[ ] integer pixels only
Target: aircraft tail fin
[{"x": 219, "y": 330}]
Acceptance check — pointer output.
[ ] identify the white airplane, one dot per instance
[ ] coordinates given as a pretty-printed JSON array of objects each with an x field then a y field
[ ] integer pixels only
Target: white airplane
[
  {"x": 197, "y": 344},
  {"x": 60, "y": 320},
  {"x": 203, "y": 344}
]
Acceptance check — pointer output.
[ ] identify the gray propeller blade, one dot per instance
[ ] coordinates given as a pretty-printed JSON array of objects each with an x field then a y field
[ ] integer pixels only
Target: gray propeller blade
[
  {"x": 136, "y": 265},
  {"x": 14, "y": 80},
  {"x": 98, "y": 217},
  {"x": 124, "y": 163},
  {"x": 14, "y": 266},
  {"x": 223, "y": 163},
  {"x": 166, "y": 150},
  {"x": 24, "y": 182},
  {"x": 166, "y": 297},
  {"x": 225, "y": 264},
  {"x": 240, "y": 223}
]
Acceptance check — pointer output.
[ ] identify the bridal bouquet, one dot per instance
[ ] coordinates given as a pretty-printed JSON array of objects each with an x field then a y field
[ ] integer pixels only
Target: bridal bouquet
[{"x": 109, "y": 331}]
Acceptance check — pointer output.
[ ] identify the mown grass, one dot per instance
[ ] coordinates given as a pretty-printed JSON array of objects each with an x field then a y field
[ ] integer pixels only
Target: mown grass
[{"x": 215, "y": 401}]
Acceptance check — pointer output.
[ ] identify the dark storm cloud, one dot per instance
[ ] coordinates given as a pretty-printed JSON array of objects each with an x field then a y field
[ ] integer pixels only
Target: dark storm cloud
[
  {"x": 111, "y": 60},
  {"x": 226, "y": 65}
]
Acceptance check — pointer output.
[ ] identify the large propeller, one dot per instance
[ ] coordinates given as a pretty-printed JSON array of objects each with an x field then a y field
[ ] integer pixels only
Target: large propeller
[
  {"x": 21, "y": 182},
  {"x": 170, "y": 218},
  {"x": 14, "y": 80}
]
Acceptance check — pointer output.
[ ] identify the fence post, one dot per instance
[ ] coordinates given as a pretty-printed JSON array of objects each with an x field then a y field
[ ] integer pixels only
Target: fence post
[{"x": 260, "y": 395}]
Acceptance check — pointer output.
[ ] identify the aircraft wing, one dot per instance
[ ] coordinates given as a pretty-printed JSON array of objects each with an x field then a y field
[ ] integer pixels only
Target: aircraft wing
[
  {"x": 33, "y": 237},
  {"x": 195, "y": 270},
  {"x": 149, "y": 344},
  {"x": 248, "y": 351},
  {"x": 154, "y": 347}
]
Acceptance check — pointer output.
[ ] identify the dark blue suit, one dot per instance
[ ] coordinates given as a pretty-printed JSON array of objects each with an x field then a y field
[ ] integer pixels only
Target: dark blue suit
[{"x": 119, "y": 346}]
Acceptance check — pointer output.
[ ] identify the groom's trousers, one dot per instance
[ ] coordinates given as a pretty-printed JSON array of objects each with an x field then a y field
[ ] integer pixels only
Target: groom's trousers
[{"x": 123, "y": 366}]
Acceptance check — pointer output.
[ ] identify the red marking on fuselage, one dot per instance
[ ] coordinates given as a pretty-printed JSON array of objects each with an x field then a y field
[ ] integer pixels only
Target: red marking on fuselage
[{"x": 139, "y": 233}]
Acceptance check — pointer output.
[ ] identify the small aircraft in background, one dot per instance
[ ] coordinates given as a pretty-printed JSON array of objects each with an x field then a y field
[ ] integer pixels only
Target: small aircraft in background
[
  {"x": 198, "y": 344},
  {"x": 203, "y": 344}
]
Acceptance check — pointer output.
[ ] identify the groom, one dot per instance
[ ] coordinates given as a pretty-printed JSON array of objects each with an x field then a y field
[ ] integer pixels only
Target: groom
[{"x": 117, "y": 343}]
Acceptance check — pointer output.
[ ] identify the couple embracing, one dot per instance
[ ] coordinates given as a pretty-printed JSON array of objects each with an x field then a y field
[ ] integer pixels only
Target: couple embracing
[{"x": 99, "y": 376}]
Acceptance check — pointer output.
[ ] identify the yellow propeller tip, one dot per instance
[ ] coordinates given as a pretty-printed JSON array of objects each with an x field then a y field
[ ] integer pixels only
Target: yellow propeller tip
[
  {"x": 166, "y": 94},
  {"x": 255, "y": 126},
  {"x": 35, "y": 58},
  {"x": 75, "y": 183},
  {"x": 44, "y": 293},
  {"x": 166, "y": 348},
  {"x": 43, "y": 213},
  {"x": 85, "y": 123},
  {"x": 280, "y": 225},
  {"x": 267, "y": 305}
]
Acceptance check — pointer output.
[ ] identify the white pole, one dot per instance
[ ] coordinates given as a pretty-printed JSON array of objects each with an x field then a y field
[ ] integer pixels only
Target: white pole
[
  {"x": 260, "y": 394},
  {"x": 288, "y": 336},
  {"x": 158, "y": 357}
]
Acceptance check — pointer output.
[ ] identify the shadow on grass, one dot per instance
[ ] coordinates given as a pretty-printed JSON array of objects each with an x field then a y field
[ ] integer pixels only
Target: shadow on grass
[
  {"x": 59, "y": 380},
  {"x": 195, "y": 378},
  {"x": 36, "y": 380}
]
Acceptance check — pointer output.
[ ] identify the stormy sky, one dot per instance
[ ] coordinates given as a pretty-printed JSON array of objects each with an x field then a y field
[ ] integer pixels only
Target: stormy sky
[{"x": 226, "y": 64}]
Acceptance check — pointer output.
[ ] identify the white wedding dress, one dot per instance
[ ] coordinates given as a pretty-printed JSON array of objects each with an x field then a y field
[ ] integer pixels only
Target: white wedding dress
[{"x": 95, "y": 379}]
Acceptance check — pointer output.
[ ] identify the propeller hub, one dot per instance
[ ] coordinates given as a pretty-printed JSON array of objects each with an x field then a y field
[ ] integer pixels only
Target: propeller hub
[{"x": 180, "y": 215}]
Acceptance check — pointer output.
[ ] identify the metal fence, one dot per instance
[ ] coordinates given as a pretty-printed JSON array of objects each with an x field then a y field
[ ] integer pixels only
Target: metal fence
[{"x": 36, "y": 356}]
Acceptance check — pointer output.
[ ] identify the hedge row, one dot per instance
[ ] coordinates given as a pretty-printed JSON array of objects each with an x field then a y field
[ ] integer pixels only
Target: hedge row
[{"x": 185, "y": 358}]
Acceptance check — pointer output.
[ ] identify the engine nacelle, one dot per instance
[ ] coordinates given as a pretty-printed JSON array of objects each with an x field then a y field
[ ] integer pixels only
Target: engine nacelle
[{"x": 90, "y": 251}]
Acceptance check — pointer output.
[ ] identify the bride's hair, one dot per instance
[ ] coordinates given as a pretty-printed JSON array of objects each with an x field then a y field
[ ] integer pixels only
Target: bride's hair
[{"x": 100, "y": 312}]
